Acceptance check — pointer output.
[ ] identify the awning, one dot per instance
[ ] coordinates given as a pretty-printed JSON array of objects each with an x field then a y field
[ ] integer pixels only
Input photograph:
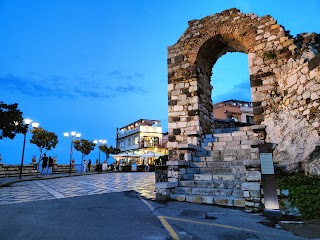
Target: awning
[
  {"x": 150, "y": 154},
  {"x": 125, "y": 155}
]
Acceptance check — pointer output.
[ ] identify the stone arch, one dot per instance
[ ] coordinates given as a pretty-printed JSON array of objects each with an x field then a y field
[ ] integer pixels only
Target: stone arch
[{"x": 277, "y": 64}]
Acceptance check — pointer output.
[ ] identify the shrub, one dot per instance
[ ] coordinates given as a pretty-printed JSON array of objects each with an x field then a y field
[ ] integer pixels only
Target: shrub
[{"x": 304, "y": 193}]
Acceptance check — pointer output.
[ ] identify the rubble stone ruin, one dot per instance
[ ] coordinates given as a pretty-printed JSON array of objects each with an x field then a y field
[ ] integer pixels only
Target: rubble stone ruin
[{"x": 285, "y": 87}]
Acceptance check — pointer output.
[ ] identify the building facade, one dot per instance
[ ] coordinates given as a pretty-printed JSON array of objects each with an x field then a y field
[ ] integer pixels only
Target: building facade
[
  {"x": 239, "y": 111},
  {"x": 141, "y": 137}
]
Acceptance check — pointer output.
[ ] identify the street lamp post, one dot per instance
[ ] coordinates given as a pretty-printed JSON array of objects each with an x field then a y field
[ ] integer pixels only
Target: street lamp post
[
  {"x": 100, "y": 142},
  {"x": 72, "y": 135},
  {"x": 27, "y": 122}
]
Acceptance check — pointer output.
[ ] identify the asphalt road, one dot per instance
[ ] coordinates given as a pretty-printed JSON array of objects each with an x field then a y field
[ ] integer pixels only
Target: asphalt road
[
  {"x": 124, "y": 215},
  {"x": 106, "y": 216},
  {"x": 110, "y": 206}
]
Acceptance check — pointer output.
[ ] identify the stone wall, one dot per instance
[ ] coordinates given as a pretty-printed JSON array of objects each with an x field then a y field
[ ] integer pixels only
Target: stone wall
[
  {"x": 284, "y": 78},
  {"x": 12, "y": 170}
]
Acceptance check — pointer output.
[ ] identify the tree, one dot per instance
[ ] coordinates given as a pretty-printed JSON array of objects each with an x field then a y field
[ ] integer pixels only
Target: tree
[
  {"x": 108, "y": 150},
  {"x": 11, "y": 120},
  {"x": 84, "y": 146},
  {"x": 44, "y": 140}
]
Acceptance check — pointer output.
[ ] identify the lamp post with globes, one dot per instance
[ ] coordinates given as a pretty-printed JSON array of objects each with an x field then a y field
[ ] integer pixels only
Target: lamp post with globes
[
  {"x": 72, "y": 135},
  {"x": 100, "y": 142},
  {"x": 27, "y": 122}
]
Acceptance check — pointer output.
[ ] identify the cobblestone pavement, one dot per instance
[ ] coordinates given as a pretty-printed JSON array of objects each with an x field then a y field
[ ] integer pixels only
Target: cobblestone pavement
[{"x": 36, "y": 190}]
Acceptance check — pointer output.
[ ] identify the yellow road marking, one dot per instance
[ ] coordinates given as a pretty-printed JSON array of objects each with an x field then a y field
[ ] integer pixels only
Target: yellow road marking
[
  {"x": 210, "y": 224},
  {"x": 169, "y": 228}
]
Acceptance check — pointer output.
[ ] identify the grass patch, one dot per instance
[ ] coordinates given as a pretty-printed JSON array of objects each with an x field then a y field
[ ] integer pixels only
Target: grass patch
[{"x": 304, "y": 193}]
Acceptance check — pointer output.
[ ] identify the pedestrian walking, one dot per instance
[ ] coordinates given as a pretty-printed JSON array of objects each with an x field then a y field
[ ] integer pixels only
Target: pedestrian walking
[
  {"x": 44, "y": 164},
  {"x": 89, "y": 164},
  {"x": 84, "y": 166},
  {"x": 50, "y": 165}
]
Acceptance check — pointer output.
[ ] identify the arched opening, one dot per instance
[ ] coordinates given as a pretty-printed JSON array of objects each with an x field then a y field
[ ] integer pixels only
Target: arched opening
[
  {"x": 207, "y": 60},
  {"x": 231, "y": 93}
]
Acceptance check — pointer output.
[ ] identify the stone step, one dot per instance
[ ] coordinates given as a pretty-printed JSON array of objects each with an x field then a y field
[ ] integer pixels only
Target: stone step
[
  {"x": 216, "y": 170},
  {"x": 210, "y": 177},
  {"x": 210, "y": 191},
  {"x": 203, "y": 153},
  {"x": 211, "y": 184},
  {"x": 217, "y": 200},
  {"x": 192, "y": 170}
]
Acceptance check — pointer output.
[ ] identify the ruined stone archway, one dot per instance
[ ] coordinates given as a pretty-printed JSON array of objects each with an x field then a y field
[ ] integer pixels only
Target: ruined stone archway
[{"x": 284, "y": 78}]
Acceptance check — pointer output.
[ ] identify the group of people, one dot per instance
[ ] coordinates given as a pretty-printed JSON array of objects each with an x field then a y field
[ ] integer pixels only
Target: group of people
[
  {"x": 47, "y": 165},
  {"x": 86, "y": 165}
]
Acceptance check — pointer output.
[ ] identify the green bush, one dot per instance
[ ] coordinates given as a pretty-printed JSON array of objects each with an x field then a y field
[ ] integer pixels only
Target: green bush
[{"x": 304, "y": 193}]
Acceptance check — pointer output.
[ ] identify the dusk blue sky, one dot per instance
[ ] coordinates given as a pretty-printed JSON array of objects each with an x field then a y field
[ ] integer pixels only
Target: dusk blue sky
[{"x": 94, "y": 65}]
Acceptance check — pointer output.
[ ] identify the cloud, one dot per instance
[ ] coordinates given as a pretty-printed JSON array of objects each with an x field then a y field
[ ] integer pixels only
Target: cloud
[
  {"x": 241, "y": 91},
  {"x": 92, "y": 85}
]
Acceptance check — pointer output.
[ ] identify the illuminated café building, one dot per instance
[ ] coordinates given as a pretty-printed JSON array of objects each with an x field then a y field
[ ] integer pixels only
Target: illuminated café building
[{"x": 140, "y": 137}]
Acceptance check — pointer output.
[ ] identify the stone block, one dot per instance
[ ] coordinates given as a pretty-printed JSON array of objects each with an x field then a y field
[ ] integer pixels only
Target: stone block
[
  {"x": 238, "y": 133},
  {"x": 224, "y": 201},
  {"x": 198, "y": 164},
  {"x": 177, "y": 163},
  {"x": 164, "y": 185},
  {"x": 225, "y": 177},
  {"x": 187, "y": 176},
  {"x": 172, "y": 179},
  {"x": 255, "y": 194},
  {"x": 183, "y": 190},
  {"x": 193, "y": 198},
  {"x": 178, "y": 197},
  {"x": 202, "y": 177},
  {"x": 253, "y": 176},
  {"x": 239, "y": 202},
  {"x": 219, "y": 144},
  {"x": 233, "y": 143},
  {"x": 246, "y": 194},
  {"x": 192, "y": 170},
  {"x": 207, "y": 199},
  {"x": 250, "y": 186}
]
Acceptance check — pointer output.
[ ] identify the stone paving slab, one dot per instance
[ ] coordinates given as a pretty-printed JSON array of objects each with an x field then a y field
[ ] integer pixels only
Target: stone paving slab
[{"x": 57, "y": 188}]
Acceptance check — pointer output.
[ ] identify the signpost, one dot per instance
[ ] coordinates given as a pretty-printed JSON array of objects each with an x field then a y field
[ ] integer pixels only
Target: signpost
[{"x": 271, "y": 203}]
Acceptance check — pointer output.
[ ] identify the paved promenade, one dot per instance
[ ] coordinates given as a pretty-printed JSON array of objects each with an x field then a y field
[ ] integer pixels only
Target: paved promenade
[
  {"x": 109, "y": 206},
  {"x": 74, "y": 186}
]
